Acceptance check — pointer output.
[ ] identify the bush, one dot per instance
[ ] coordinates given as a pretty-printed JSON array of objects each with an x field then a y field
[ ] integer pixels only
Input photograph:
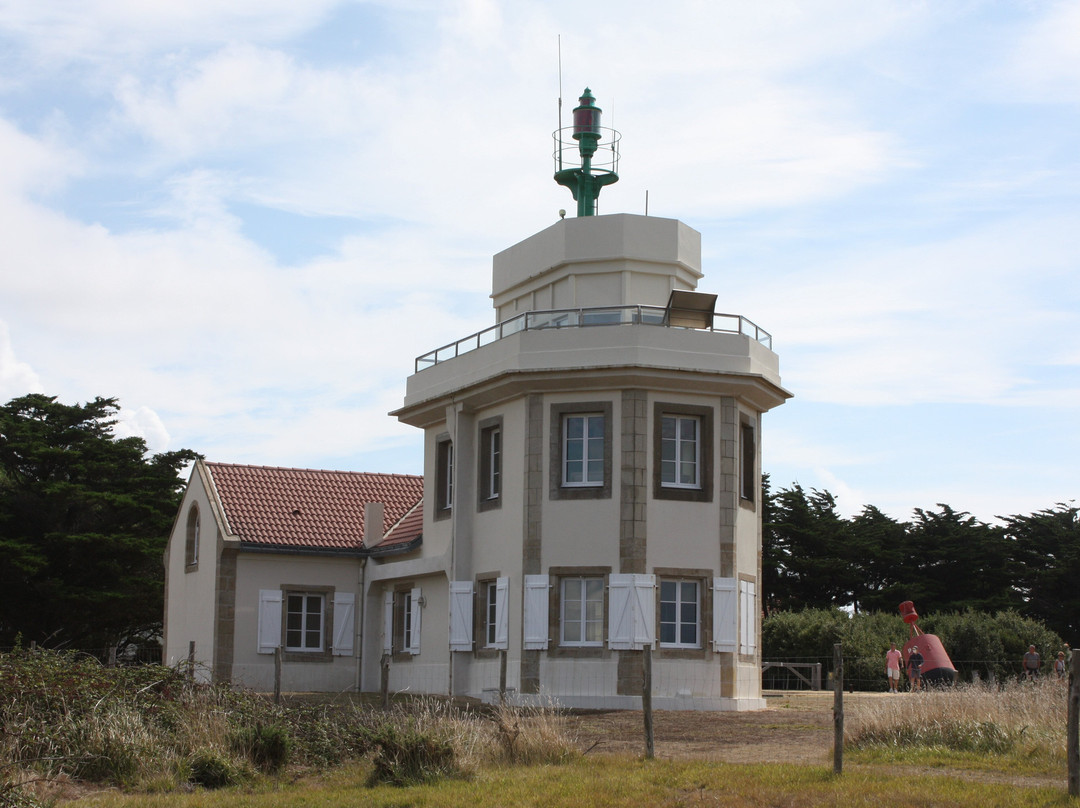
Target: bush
[
  {"x": 409, "y": 756},
  {"x": 266, "y": 746},
  {"x": 988, "y": 645},
  {"x": 211, "y": 769}
]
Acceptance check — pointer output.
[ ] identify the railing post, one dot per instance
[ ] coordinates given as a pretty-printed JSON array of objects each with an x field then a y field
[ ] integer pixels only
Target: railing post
[{"x": 838, "y": 709}]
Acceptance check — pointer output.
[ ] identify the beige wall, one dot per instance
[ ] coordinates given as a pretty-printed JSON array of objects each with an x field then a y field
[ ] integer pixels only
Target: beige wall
[
  {"x": 191, "y": 593},
  {"x": 256, "y": 571}
]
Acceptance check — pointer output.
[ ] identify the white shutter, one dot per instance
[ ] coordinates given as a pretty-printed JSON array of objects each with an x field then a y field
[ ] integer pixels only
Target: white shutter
[
  {"x": 535, "y": 635},
  {"x": 620, "y": 611},
  {"x": 644, "y": 603},
  {"x": 461, "y": 615},
  {"x": 631, "y": 611},
  {"x": 344, "y": 623},
  {"x": 748, "y": 611},
  {"x": 725, "y": 614},
  {"x": 269, "y": 620},
  {"x": 388, "y": 622},
  {"x": 502, "y": 616},
  {"x": 414, "y": 637}
]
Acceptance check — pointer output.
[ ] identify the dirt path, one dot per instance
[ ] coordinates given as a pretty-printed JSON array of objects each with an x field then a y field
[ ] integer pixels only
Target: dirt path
[{"x": 796, "y": 727}]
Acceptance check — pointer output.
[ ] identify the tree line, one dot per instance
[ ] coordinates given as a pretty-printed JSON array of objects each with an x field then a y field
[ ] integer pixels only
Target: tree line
[
  {"x": 84, "y": 519},
  {"x": 943, "y": 560}
]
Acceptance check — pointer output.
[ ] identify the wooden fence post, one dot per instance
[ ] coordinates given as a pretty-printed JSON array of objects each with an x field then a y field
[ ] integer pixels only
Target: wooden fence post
[
  {"x": 384, "y": 679},
  {"x": 838, "y": 710},
  {"x": 1072, "y": 741},
  {"x": 277, "y": 675},
  {"x": 502, "y": 676},
  {"x": 646, "y": 701},
  {"x": 191, "y": 660}
]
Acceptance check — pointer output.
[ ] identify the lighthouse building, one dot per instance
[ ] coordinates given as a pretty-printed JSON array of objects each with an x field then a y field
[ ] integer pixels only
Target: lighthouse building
[{"x": 591, "y": 484}]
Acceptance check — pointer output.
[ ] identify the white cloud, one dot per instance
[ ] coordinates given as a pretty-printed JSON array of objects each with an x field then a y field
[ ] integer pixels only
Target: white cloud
[
  {"x": 16, "y": 378},
  {"x": 1045, "y": 62}
]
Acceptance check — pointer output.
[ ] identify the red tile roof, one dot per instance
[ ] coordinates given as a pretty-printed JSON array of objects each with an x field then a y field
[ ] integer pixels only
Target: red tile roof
[
  {"x": 405, "y": 531},
  {"x": 310, "y": 508}
]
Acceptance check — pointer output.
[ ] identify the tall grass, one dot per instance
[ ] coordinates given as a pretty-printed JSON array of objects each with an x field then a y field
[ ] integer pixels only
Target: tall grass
[
  {"x": 63, "y": 716},
  {"x": 1023, "y": 720}
]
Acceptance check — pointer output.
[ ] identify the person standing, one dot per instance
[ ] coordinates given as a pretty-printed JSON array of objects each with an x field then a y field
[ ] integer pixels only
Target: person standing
[
  {"x": 1059, "y": 665},
  {"x": 892, "y": 668},
  {"x": 914, "y": 668},
  {"x": 1032, "y": 663}
]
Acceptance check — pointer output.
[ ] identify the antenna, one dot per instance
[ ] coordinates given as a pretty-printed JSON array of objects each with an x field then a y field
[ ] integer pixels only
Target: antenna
[{"x": 560, "y": 99}]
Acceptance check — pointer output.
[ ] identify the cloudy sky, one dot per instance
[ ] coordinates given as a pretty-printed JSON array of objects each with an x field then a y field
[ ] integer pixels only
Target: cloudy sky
[{"x": 246, "y": 218}]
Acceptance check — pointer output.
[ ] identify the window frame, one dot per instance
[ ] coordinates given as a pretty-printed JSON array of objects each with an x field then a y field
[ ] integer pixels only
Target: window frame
[
  {"x": 305, "y": 596},
  {"x": 192, "y": 536},
  {"x": 705, "y": 416},
  {"x": 583, "y": 621},
  {"x": 444, "y": 477},
  {"x": 401, "y": 623},
  {"x": 679, "y": 441},
  {"x": 679, "y": 603},
  {"x": 558, "y": 488},
  {"x": 748, "y": 478},
  {"x": 490, "y": 464}
]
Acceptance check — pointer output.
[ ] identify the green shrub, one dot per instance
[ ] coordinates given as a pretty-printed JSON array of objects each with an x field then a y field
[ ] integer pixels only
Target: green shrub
[
  {"x": 12, "y": 795},
  {"x": 407, "y": 756},
  {"x": 211, "y": 769},
  {"x": 265, "y": 745}
]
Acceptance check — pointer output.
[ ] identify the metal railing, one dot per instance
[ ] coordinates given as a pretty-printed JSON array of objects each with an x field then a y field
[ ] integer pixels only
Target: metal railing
[{"x": 596, "y": 316}]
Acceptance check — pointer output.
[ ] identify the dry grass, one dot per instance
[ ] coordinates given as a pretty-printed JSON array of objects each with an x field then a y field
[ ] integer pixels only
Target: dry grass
[{"x": 1021, "y": 721}]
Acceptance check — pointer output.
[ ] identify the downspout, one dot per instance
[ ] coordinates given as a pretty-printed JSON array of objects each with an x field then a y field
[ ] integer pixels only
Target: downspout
[{"x": 362, "y": 596}]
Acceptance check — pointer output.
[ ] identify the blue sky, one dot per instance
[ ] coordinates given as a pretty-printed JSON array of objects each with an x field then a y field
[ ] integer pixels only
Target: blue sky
[{"x": 246, "y": 219}]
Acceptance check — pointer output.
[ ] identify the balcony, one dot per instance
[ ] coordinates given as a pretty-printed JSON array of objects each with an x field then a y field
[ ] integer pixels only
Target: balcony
[{"x": 595, "y": 317}]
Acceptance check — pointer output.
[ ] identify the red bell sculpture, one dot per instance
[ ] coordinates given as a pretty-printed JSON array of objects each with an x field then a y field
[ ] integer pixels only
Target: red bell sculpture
[{"x": 937, "y": 668}]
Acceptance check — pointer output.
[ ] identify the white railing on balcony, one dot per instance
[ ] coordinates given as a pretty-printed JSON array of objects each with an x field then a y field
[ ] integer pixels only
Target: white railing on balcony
[{"x": 593, "y": 317}]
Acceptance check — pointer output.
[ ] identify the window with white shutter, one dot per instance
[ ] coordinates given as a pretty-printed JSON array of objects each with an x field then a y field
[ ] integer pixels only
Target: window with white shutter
[
  {"x": 748, "y": 614},
  {"x": 461, "y": 615},
  {"x": 269, "y": 630},
  {"x": 725, "y": 614},
  {"x": 536, "y": 612},
  {"x": 344, "y": 623}
]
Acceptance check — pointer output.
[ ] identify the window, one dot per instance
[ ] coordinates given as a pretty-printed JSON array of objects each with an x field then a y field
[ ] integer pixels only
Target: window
[
  {"x": 747, "y": 457},
  {"x": 490, "y": 465},
  {"x": 191, "y": 546},
  {"x": 582, "y": 617},
  {"x": 583, "y": 449},
  {"x": 444, "y": 477},
  {"x": 491, "y": 599},
  {"x": 310, "y": 623},
  {"x": 679, "y": 614},
  {"x": 680, "y": 451},
  {"x": 493, "y": 613},
  {"x": 403, "y": 621},
  {"x": 304, "y": 621},
  {"x": 580, "y": 451}
]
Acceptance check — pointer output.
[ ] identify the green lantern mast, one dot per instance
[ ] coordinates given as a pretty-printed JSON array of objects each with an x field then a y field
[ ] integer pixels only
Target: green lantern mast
[{"x": 585, "y": 179}]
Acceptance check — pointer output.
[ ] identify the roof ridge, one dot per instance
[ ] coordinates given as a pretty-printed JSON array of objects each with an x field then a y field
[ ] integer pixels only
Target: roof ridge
[{"x": 318, "y": 471}]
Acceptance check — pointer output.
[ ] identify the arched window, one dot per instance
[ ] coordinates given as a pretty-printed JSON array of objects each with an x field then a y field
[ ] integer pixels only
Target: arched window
[{"x": 191, "y": 555}]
